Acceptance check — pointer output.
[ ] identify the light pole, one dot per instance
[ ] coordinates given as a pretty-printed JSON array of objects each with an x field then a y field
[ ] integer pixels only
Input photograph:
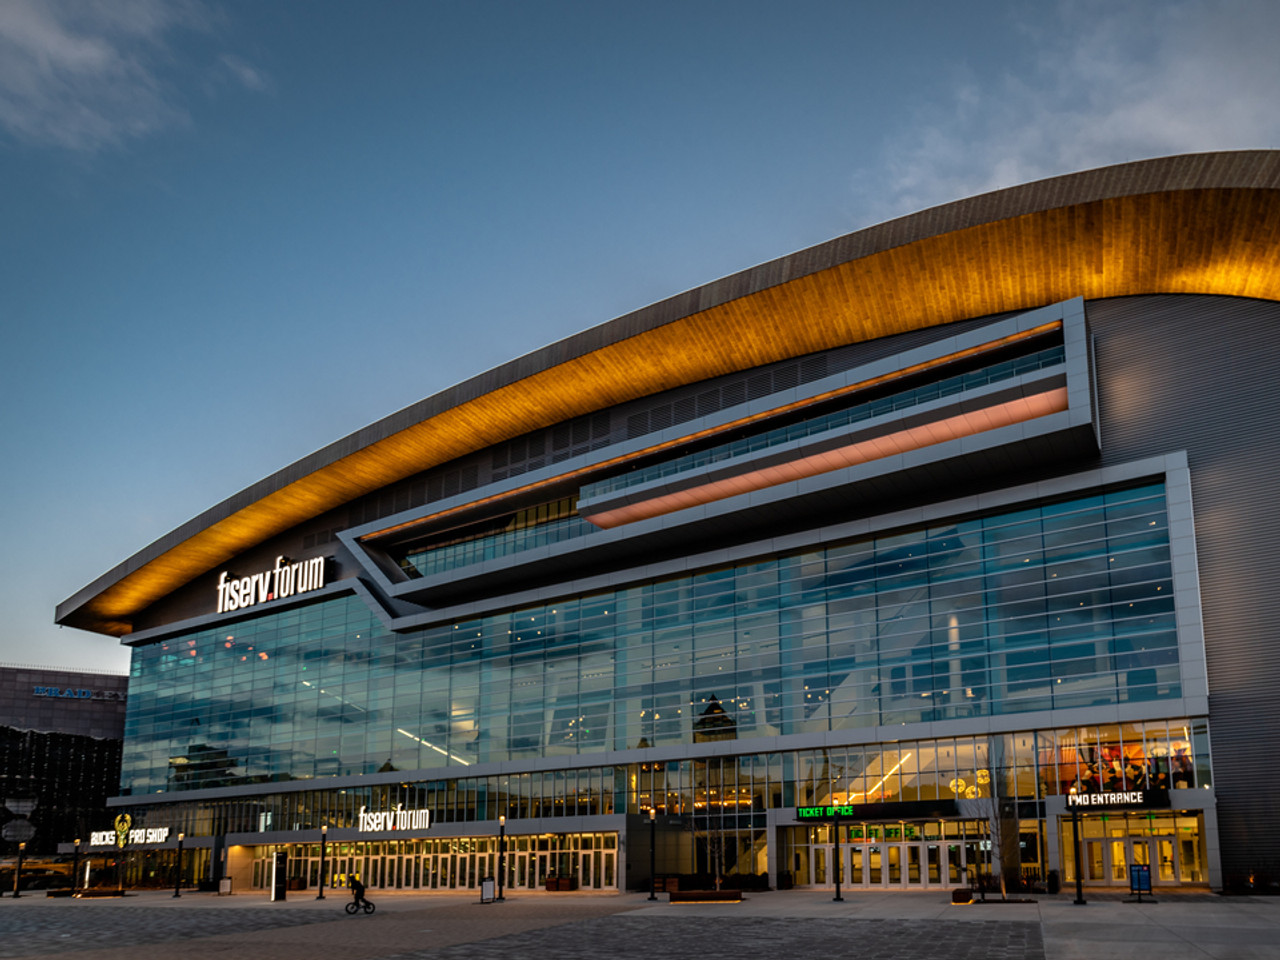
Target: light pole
[
  {"x": 502, "y": 853},
  {"x": 324, "y": 839},
  {"x": 177, "y": 874},
  {"x": 17, "y": 874},
  {"x": 1075, "y": 842},
  {"x": 837, "y": 898},
  {"x": 653, "y": 833},
  {"x": 75, "y": 868}
]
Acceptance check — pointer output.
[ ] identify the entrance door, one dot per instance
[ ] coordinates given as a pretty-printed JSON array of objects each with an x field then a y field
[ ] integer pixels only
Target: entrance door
[
  {"x": 1164, "y": 860},
  {"x": 935, "y": 864},
  {"x": 1158, "y": 853},
  {"x": 912, "y": 875},
  {"x": 910, "y": 865}
]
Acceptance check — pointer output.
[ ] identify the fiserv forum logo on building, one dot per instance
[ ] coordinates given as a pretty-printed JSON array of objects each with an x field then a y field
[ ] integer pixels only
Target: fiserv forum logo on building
[{"x": 283, "y": 580}]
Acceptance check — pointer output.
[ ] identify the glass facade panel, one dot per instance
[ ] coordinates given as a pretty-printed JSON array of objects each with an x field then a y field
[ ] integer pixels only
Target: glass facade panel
[{"x": 956, "y": 620}]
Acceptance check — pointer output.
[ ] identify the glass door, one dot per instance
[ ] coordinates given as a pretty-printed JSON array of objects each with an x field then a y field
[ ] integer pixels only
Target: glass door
[
  {"x": 1160, "y": 854},
  {"x": 911, "y": 862},
  {"x": 1093, "y": 858},
  {"x": 893, "y": 861},
  {"x": 935, "y": 855},
  {"x": 1120, "y": 849},
  {"x": 875, "y": 865},
  {"x": 857, "y": 864}
]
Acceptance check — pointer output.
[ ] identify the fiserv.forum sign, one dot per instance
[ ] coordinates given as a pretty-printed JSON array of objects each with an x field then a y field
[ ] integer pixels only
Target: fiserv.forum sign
[{"x": 285, "y": 579}]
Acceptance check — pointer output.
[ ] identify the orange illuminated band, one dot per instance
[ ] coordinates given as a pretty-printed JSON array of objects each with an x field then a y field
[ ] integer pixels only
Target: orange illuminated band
[
  {"x": 864, "y": 451},
  {"x": 733, "y": 425}
]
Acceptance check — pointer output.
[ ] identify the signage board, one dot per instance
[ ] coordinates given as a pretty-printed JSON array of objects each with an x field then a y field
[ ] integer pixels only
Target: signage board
[
  {"x": 125, "y": 833},
  {"x": 886, "y": 810},
  {"x": 1118, "y": 799},
  {"x": 1139, "y": 878},
  {"x": 78, "y": 693},
  {"x": 280, "y": 876},
  {"x": 825, "y": 813},
  {"x": 398, "y": 819},
  {"x": 285, "y": 579},
  {"x": 18, "y": 831}
]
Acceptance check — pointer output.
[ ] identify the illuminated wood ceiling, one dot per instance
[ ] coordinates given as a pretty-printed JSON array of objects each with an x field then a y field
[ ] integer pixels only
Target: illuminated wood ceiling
[{"x": 1202, "y": 224}]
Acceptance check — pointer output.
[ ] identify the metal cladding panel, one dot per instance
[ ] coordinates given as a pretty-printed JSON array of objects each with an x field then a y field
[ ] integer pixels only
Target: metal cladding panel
[{"x": 1199, "y": 373}]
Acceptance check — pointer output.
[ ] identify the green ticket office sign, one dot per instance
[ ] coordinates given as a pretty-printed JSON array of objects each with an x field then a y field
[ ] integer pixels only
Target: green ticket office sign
[{"x": 875, "y": 812}]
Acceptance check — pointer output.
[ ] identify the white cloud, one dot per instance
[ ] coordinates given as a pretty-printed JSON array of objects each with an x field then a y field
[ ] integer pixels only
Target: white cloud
[
  {"x": 1113, "y": 83},
  {"x": 242, "y": 73},
  {"x": 88, "y": 74}
]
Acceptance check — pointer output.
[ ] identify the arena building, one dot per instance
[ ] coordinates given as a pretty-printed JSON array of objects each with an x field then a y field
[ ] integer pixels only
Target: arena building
[{"x": 906, "y": 554}]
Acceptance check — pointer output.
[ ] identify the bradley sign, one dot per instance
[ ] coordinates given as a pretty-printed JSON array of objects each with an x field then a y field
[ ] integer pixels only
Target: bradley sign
[{"x": 285, "y": 579}]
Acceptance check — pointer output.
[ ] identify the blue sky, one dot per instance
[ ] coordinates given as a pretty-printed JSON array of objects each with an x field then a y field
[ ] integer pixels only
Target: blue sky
[{"x": 231, "y": 233}]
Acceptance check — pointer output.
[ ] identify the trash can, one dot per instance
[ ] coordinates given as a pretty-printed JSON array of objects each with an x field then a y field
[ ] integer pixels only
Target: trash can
[
  {"x": 224, "y": 887},
  {"x": 487, "y": 885}
]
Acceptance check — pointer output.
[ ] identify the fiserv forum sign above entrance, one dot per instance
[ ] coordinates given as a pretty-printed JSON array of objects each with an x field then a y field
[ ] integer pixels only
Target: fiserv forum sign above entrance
[
  {"x": 398, "y": 819},
  {"x": 285, "y": 579}
]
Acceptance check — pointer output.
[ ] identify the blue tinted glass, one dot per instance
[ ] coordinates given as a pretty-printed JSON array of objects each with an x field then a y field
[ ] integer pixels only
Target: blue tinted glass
[{"x": 1048, "y": 607}]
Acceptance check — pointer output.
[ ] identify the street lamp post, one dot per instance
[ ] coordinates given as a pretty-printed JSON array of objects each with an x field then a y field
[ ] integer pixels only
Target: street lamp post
[
  {"x": 177, "y": 875},
  {"x": 1075, "y": 842},
  {"x": 837, "y": 898},
  {"x": 324, "y": 840},
  {"x": 17, "y": 874},
  {"x": 653, "y": 833},
  {"x": 502, "y": 853},
  {"x": 75, "y": 868}
]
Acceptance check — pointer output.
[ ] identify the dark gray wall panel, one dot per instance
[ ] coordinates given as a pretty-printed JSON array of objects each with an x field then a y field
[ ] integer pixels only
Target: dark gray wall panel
[{"x": 1199, "y": 373}]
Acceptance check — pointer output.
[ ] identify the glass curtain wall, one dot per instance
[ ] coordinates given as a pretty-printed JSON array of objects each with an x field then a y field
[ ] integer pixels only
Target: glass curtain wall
[
  {"x": 1051, "y": 606},
  {"x": 733, "y": 793}
]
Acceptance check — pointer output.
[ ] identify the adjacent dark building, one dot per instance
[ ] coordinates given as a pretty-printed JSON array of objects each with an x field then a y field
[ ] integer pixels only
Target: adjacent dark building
[
  {"x": 61, "y": 736},
  {"x": 930, "y": 540}
]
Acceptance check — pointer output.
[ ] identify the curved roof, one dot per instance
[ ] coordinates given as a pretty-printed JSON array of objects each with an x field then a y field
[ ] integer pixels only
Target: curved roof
[{"x": 1201, "y": 223}]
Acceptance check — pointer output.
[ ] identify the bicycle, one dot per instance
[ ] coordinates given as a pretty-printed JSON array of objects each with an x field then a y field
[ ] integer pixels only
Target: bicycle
[{"x": 355, "y": 906}]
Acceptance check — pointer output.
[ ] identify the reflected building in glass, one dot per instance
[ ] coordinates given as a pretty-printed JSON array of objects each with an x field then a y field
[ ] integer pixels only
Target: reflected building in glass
[{"x": 940, "y": 536}]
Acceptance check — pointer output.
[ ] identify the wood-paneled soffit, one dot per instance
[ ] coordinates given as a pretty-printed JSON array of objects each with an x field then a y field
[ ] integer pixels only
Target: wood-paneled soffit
[{"x": 1198, "y": 224}]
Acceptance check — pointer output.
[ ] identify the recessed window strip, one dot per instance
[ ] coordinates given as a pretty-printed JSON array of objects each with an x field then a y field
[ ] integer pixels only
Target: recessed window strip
[
  {"x": 523, "y": 530},
  {"x": 1023, "y": 336},
  {"x": 1049, "y": 357}
]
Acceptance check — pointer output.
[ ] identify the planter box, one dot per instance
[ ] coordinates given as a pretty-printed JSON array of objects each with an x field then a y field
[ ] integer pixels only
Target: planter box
[
  {"x": 962, "y": 895},
  {"x": 705, "y": 896}
]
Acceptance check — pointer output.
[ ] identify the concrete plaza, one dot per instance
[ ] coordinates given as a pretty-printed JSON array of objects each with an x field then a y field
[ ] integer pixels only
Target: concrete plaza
[{"x": 779, "y": 926}]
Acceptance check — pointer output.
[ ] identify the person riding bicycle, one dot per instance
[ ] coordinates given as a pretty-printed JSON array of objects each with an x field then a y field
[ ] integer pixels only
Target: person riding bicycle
[{"x": 357, "y": 891}]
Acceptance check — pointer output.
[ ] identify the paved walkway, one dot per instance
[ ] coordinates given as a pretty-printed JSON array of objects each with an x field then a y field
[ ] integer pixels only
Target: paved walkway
[{"x": 792, "y": 925}]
